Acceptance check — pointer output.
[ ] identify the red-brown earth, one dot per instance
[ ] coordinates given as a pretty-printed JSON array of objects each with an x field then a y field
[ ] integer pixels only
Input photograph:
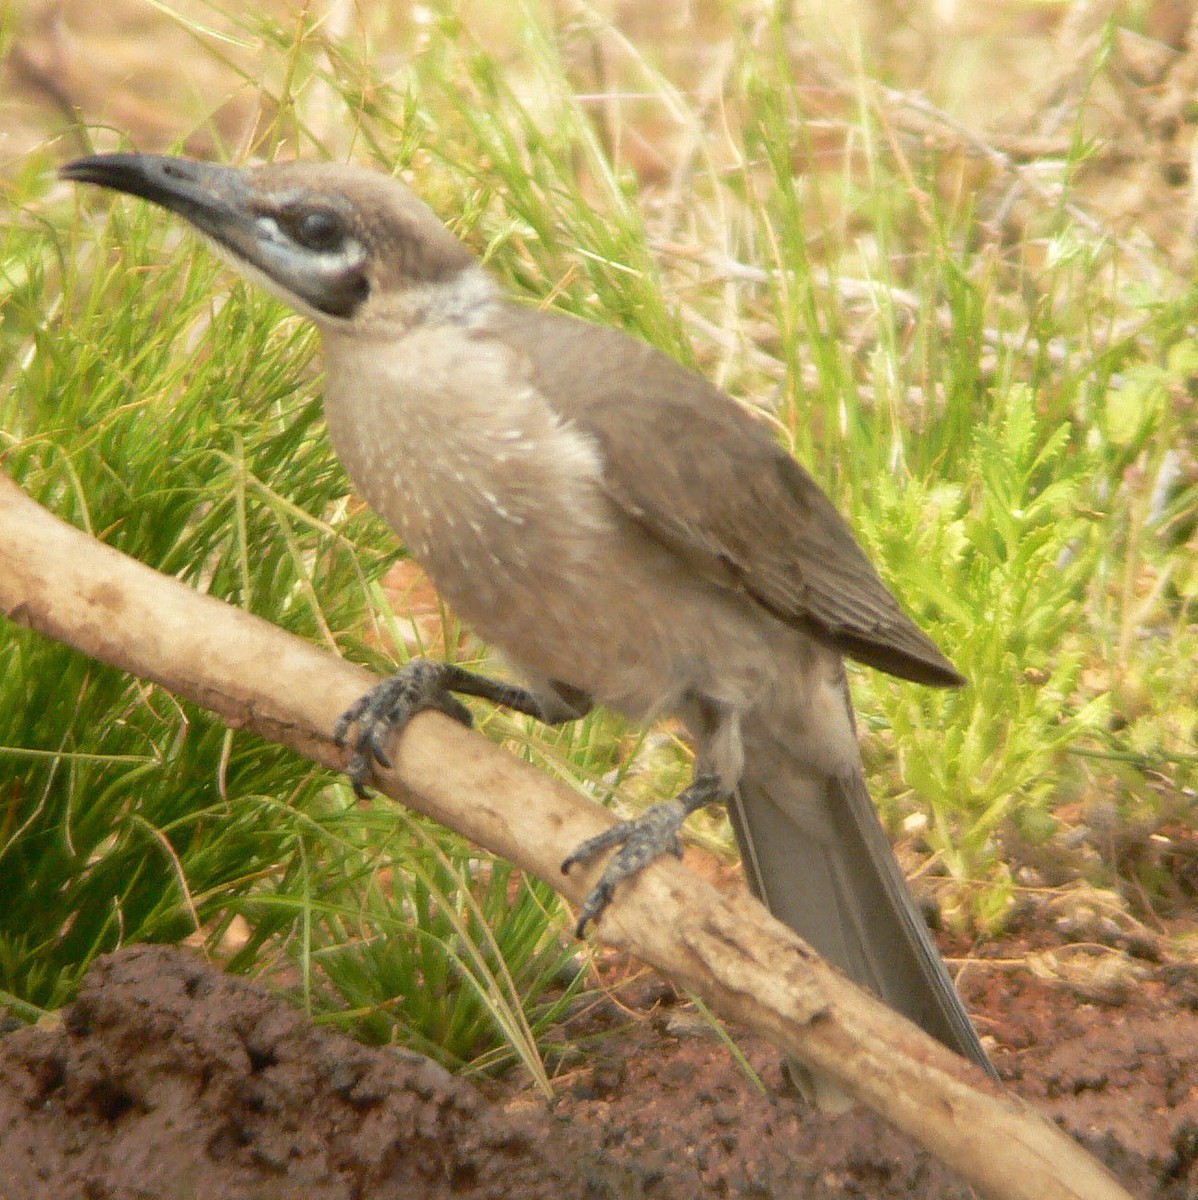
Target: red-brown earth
[{"x": 168, "y": 1079}]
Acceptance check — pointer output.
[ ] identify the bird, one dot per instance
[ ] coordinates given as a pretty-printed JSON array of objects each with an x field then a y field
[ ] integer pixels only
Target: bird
[{"x": 617, "y": 526}]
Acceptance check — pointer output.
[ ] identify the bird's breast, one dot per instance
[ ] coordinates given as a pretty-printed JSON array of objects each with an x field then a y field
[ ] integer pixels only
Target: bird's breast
[{"x": 487, "y": 487}]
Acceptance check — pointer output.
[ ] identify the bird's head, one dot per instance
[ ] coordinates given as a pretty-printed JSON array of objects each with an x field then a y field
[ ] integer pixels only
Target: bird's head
[{"x": 345, "y": 246}]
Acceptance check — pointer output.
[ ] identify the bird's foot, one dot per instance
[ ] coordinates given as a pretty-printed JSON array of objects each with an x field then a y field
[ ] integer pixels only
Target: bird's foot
[
  {"x": 647, "y": 837},
  {"x": 388, "y": 707}
]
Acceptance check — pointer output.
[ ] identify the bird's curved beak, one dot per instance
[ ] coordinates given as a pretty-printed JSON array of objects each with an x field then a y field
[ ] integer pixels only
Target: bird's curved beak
[
  {"x": 224, "y": 205},
  {"x": 215, "y": 199}
]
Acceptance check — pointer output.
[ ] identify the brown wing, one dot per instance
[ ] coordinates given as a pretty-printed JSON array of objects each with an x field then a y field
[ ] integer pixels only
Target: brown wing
[{"x": 703, "y": 477}]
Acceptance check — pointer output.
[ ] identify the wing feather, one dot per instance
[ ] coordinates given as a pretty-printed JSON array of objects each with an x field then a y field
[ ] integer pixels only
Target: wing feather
[{"x": 683, "y": 460}]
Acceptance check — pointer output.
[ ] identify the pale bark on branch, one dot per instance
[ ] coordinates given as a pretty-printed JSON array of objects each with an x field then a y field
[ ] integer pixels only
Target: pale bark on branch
[{"x": 746, "y": 965}]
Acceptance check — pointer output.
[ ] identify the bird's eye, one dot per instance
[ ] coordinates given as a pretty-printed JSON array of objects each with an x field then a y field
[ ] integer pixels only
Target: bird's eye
[{"x": 317, "y": 229}]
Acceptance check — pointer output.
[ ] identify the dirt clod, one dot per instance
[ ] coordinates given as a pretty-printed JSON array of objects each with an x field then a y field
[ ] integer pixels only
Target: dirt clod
[{"x": 168, "y": 1079}]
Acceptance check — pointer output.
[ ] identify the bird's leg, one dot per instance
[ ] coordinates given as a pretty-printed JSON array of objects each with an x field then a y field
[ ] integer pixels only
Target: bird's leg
[
  {"x": 423, "y": 684},
  {"x": 652, "y": 834}
]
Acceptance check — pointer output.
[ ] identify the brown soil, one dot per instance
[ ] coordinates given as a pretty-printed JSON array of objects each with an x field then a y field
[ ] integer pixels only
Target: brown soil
[{"x": 168, "y": 1079}]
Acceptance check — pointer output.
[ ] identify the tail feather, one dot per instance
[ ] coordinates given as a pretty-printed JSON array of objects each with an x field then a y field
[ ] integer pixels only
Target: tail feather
[{"x": 815, "y": 852}]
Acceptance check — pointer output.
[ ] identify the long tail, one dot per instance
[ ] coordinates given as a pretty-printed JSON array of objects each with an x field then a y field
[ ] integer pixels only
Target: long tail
[{"x": 815, "y": 852}]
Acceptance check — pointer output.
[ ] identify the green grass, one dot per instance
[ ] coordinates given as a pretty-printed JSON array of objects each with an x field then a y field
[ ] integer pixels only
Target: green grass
[{"x": 1009, "y": 428}]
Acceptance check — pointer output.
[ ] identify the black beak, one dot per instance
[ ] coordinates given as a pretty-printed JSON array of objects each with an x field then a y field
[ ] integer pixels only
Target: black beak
[
  {"x": 223, "y": 204},
  {"x": 215, "y": 199}
]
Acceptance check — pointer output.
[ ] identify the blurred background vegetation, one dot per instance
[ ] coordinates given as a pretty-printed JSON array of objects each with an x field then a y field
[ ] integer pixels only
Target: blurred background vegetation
[{"x": 945, "y": 251}]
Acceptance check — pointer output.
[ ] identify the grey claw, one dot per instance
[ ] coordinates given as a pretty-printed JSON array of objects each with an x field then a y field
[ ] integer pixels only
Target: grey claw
[
  {"x": 592, "y": 907},
  {"x": 652, "y": 834},
  {"x": 387, "y": 708}
]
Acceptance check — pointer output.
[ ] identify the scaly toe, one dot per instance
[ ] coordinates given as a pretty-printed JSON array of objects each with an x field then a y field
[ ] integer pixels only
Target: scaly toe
[
  {"x": 385, "y": 710},
  {"x": 652, "y": 834},
  {"x": 617, "y": 835}
]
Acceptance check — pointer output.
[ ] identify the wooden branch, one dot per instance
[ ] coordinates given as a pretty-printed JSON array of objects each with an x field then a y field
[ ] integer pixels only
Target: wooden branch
[{"x": 730, "y": 951}]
